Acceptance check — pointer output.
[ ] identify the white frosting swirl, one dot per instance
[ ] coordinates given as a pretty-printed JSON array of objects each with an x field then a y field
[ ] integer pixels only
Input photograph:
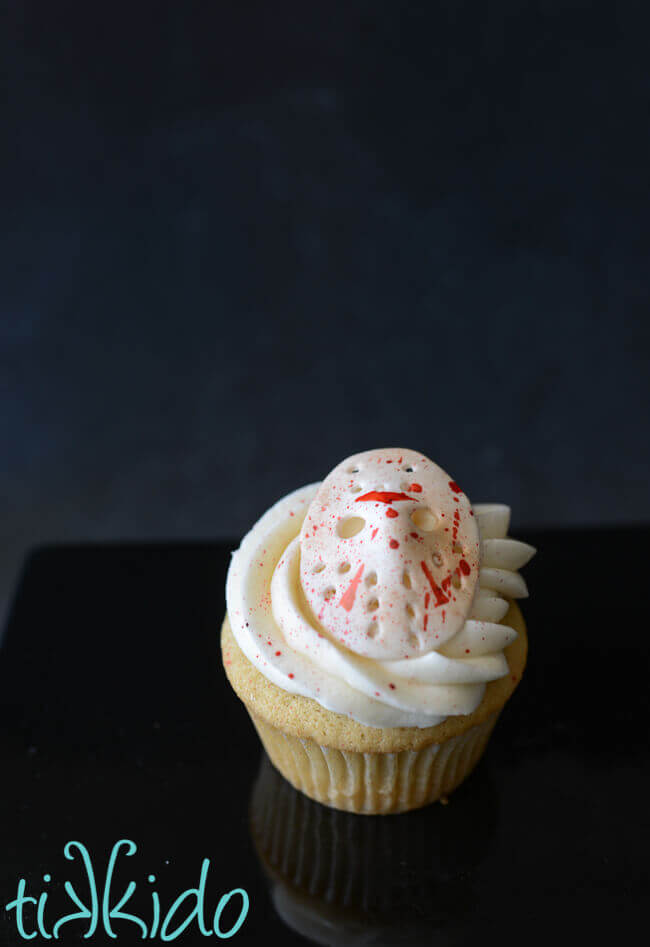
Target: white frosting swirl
[{"x": 278, "y": 632}]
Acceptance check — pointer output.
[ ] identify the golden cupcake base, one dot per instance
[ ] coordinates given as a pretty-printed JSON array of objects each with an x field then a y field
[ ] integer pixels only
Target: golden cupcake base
[
  {"x": 375, "y": 783},
  {"x": 342, "y": 763}
]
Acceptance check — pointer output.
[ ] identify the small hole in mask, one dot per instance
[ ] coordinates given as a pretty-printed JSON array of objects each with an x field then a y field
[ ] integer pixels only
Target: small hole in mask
[
  {"x": 350, "y": 526},
  {"x": 437, "y": 560},
  {"x": 424, "y": 519},
  {"x": 318, "y": 568},
  {"x": 371, "y": 578},
  {"x": 409, "y": 611},
  {"x": 353, "y": 470},
  {"x": 329, "y": 593},
  {"x": 407, "y": 469},
  {"x": 344, "y": 567},
  {"x": 406, "y": 579},
  {"x": 372, "y": 605}
]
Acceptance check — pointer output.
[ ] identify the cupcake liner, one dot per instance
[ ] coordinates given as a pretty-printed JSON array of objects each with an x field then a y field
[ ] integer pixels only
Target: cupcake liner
[{"x": 374, "y": 783}]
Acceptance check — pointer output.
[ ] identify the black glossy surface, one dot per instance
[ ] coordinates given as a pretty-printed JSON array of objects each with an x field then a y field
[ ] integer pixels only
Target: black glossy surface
[{"x": 117, "y": 722}]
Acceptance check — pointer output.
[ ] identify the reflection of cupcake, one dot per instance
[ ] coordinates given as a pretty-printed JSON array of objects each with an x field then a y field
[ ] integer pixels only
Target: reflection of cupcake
[
  {"x": 371, "y": 633},
  {"x": 338, "y": 879}
]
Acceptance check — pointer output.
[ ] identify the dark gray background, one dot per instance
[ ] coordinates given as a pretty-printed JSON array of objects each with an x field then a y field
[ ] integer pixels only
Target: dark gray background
[{"x": 243, "y": 240}]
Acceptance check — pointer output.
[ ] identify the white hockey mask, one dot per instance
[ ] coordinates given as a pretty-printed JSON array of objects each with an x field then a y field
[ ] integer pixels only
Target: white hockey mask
[{"x": 390, "y": 554}]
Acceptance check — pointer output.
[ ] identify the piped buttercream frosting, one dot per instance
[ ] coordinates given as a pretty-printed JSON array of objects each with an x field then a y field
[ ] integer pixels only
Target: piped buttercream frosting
[{"x": 379, "y": 592}]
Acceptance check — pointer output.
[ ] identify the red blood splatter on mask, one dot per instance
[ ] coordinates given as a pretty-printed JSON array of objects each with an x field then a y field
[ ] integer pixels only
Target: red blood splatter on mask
[
  {"x": 347, "y": 600},
  {"x": 441, "y": 598},
  {"x": 384, "y": 496}
]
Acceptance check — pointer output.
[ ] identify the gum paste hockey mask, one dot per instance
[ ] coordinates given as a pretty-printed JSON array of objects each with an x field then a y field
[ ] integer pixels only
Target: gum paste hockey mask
[{"x": 390, "y": 554}]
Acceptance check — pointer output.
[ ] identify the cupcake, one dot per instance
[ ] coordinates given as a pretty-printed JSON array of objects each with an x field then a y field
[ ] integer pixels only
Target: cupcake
[{"x": 372, "y": 633}]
